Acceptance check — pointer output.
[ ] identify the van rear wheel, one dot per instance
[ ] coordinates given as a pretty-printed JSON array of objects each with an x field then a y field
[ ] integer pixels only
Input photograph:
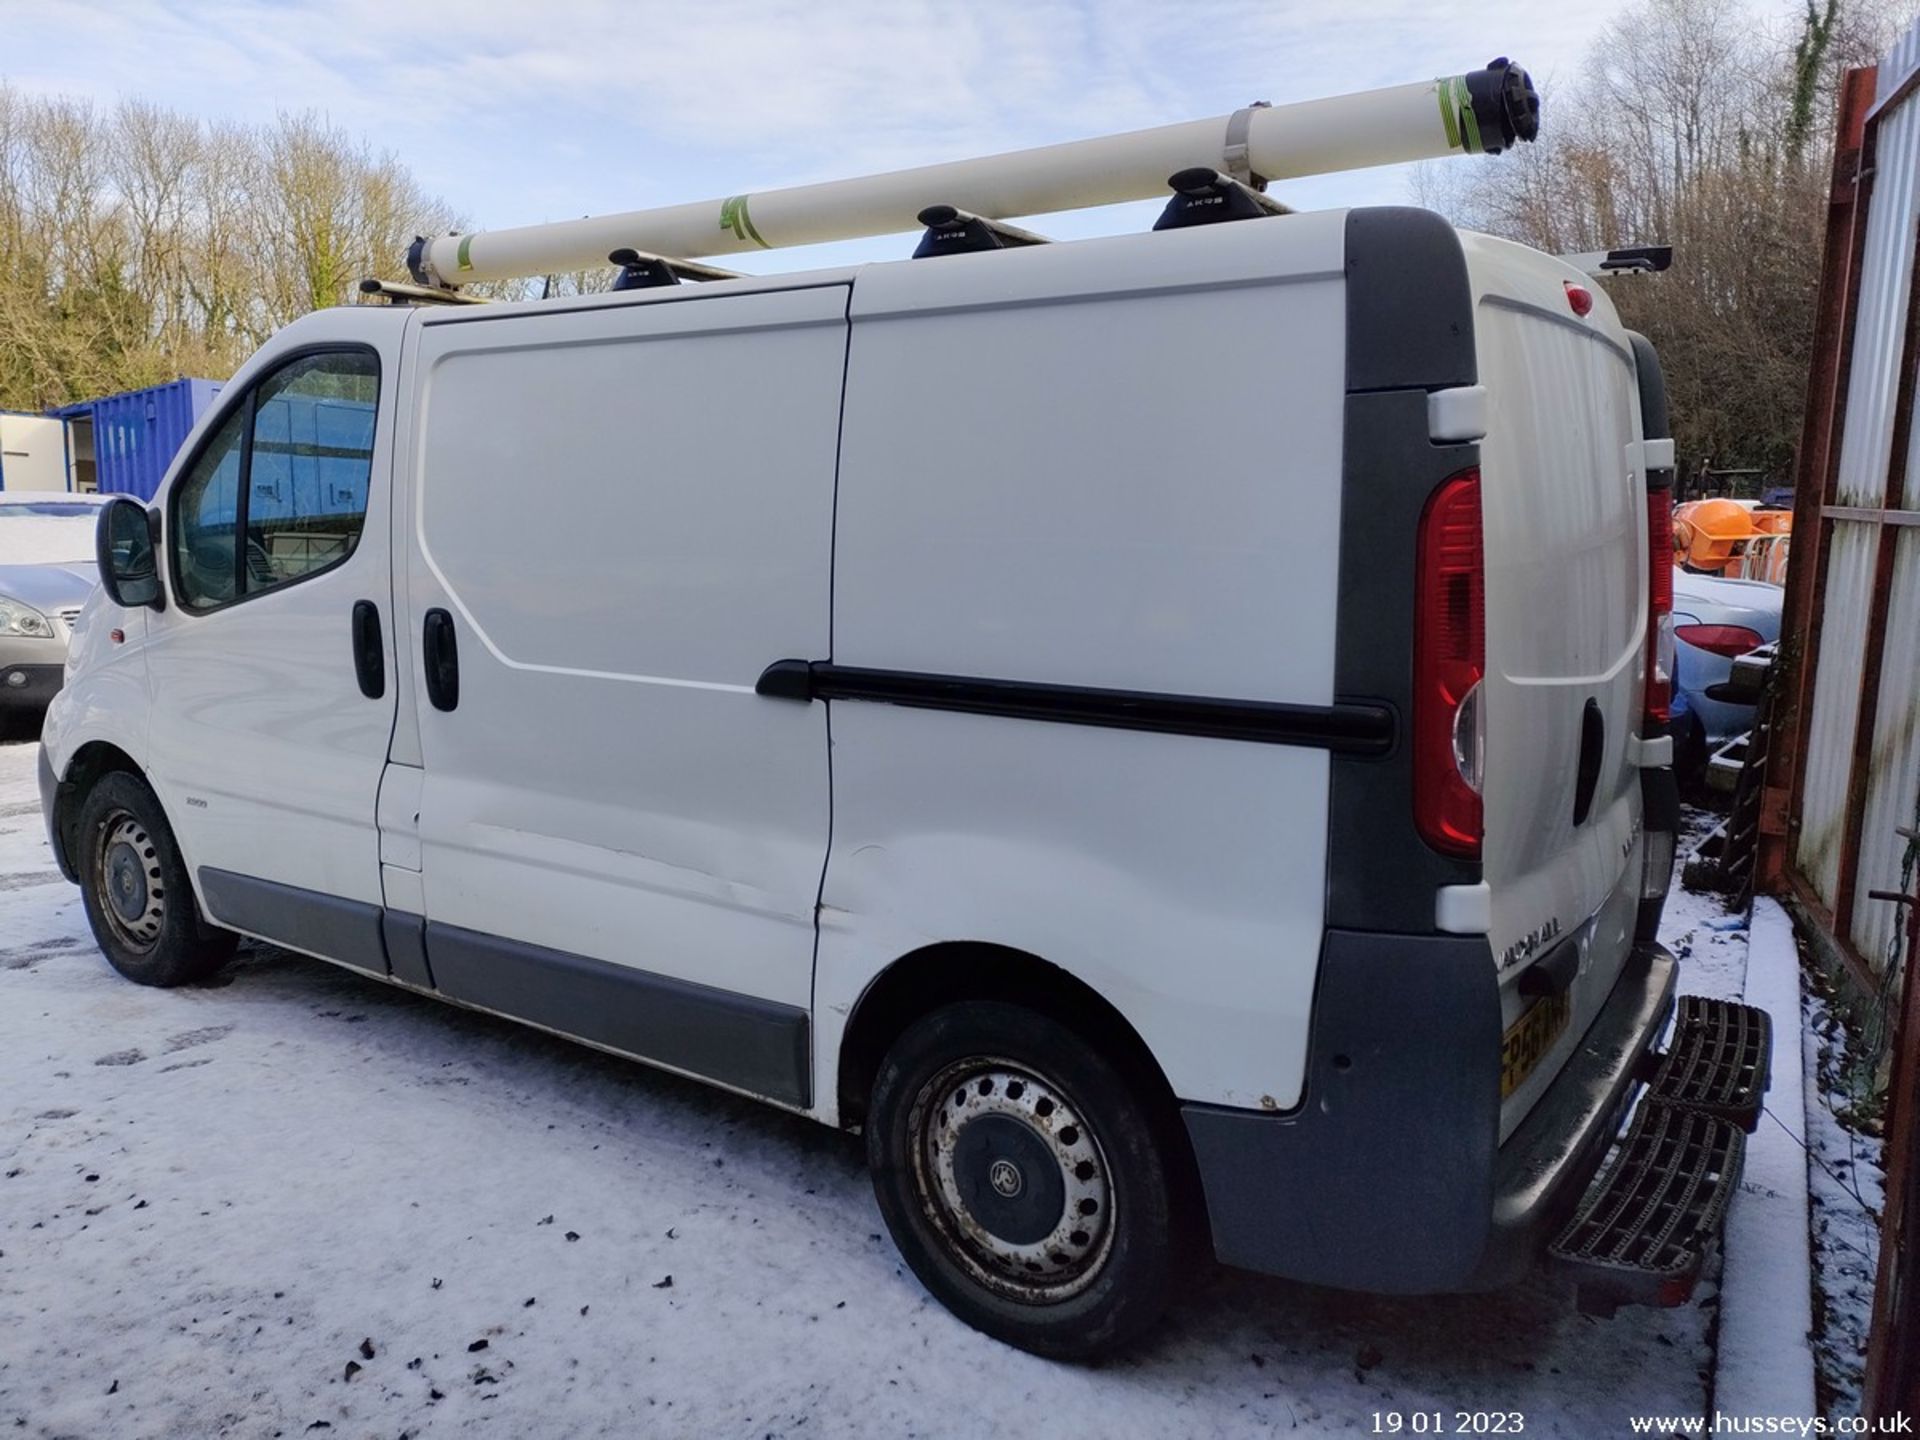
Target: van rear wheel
[
  {"x": 135, "y": 888},
  {"x": 1020, "y": 1174}
]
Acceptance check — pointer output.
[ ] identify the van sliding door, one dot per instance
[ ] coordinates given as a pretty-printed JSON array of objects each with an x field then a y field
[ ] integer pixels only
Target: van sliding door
[{"x": 620, "y": 516}]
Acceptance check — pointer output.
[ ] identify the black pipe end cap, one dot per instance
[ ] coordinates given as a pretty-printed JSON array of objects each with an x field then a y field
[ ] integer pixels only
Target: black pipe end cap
[{"x": 1506, "y": 107}]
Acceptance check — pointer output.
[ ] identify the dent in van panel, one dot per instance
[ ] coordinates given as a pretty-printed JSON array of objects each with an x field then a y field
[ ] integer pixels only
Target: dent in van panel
[{"x": 1182, "y": 878}]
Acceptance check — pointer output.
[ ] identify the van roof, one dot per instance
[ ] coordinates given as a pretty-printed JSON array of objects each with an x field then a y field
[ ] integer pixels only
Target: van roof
[
  {"x": 1298, "y": 246},
  {"x": 1294, "y": 246}
]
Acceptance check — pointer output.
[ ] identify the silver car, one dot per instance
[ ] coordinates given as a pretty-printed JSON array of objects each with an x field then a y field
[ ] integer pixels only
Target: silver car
[{"x": 47, "y": 571}]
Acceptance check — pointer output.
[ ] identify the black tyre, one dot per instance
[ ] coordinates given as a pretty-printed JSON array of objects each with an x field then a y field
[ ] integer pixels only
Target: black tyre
[
  {"x": 135, "y": 888},
  {"x": 1024, "y": 1179}
]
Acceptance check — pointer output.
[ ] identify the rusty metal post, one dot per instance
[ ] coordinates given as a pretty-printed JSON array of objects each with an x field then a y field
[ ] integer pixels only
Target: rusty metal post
[
  {"x": 1893, "y": 1345},
  {"x": 1818, "y": 469}
]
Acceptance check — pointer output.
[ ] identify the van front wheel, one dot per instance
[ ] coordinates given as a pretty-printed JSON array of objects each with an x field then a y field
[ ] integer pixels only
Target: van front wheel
[
  {"x": 135, "y": 888},
  {"x": 1021, "y": 1177}
]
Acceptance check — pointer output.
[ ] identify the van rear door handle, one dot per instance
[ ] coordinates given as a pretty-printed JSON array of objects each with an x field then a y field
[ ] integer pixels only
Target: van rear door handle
[
  {"x": 369, "y": 657},
  {"x": 442, "y": 657}
]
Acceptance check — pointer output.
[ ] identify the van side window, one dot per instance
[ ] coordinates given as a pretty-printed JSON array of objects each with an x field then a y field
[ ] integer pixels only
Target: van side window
[
  {"x": 281, "y": 492},
  {"x": 206, "y": 510}
]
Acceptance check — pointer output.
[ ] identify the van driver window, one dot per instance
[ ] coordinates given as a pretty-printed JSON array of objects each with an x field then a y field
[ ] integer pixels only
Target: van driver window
[
  {"x": 206, "y": 508},
  {"x": 312, "y": 454},
  {"x": 301, "y": 502}
]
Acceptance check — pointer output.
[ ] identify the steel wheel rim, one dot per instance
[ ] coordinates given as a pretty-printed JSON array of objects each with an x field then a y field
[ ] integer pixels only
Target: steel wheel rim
[
  {"x": 949, "y": 1167},
  {"x": 128, "y": 883}
]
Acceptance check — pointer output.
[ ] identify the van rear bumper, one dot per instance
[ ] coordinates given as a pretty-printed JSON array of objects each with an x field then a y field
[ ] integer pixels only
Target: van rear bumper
[{"x": 1389, "y": 1176}]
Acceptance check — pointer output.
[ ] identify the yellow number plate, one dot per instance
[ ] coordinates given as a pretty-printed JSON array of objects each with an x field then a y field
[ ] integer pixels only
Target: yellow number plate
[{"x": 1530, "y": 1037}]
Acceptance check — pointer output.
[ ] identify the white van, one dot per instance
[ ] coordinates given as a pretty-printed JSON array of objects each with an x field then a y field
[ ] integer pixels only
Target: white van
[{"x": 1152, "y": 730}]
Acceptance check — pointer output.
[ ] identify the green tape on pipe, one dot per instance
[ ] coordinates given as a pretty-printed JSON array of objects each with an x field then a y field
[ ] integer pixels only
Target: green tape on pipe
[
  {"x": 1444, "y": 89},
  {"x": 734, "y": 217}
]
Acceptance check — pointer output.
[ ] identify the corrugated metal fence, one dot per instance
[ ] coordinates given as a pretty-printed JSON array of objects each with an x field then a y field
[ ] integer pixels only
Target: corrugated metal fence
[
  {"x": 1854, "y": 778},
  {"x": 1846, "y": 777}
]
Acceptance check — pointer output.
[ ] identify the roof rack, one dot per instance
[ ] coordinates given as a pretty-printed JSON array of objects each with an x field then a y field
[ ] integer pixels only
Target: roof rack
[
  {"x": 952, "y": 231},
  {"x": 641, "y": 271},
  {"x": 1622, "y": 260},
  {"x": 1204, "y": 197},
  {"x": 1483, "y": 111},
  {"x": 398, "y": 292}
]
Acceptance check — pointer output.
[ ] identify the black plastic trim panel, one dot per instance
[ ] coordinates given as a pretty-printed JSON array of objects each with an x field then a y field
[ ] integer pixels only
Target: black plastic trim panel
[
  {"x": 326, "y": 925},
  {"x": 1409, "y": 303},
  {"x": 1389, "y": 1175},
  {"x": 1360, "y": 730},
  {"x": 50, "y": 788},
  {"x": 755, "y": 1045},
  {"x": 406, "y": 939},
  {"x": 1652, "y": 382},
  {"x": 1382, "y": 1178}
]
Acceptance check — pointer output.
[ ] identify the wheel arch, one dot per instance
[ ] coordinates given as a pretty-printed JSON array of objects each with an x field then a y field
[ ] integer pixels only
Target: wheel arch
[
  {"x": 947, "y": 972},
  {"x": 92, "y": 761},
  {"x": 944, "y": 973}
]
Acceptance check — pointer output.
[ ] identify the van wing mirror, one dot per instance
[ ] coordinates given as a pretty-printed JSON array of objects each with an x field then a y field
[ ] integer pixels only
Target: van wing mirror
[{"x": 129, "y": 562}]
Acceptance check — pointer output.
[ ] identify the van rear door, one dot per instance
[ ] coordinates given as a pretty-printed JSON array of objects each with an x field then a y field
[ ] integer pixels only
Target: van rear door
[{"x": 1564, "y": 501}]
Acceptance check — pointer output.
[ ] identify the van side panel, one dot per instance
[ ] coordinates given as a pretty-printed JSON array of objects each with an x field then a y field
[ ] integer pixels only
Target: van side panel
[{"x": 1135, "y": 489}]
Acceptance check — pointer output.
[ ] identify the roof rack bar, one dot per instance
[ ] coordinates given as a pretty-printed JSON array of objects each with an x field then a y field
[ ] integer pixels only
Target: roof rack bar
[
  {"x": 1482, "y": 112},
  {"x": 957, "y": 232},
  {"x": 399, "y": 292},
  {"x": 1202, "y": 196},
  {"x": 635, "y": 266}
]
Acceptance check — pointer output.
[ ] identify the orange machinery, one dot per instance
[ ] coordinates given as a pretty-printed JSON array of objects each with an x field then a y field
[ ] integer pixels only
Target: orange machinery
[{"x": 1733, "y": 538}]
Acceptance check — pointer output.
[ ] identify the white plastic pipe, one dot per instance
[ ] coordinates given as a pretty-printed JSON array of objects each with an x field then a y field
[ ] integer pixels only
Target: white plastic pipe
[{"x": 1484, "y": 111}]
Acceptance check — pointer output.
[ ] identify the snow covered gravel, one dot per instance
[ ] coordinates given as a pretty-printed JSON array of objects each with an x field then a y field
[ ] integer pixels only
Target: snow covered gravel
[
  {"x": 210, "y": 1198},
  {"x": 1848, "y": 1197}
]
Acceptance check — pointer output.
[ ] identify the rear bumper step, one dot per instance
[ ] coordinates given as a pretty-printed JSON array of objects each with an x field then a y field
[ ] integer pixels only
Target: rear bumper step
[
  {"x": 1717, "y": 1062},
  {"x": 1644, "y": 1233}
]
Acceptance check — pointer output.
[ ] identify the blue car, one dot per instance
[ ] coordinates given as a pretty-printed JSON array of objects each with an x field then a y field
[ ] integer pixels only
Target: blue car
[{"x": 1714, "y": 620}]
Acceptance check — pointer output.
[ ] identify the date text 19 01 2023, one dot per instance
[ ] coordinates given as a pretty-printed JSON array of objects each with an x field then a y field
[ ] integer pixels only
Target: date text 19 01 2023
[{"x": 1449, "y": 1422}]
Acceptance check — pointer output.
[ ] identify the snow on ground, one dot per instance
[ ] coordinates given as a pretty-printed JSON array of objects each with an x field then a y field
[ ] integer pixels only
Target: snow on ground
[
  {"x": 1848, "y": 1193},
  {"x": 1764, "y": 1363},
  {"x": 209, "y": 1198},
  {"x": 1710, "y": 944}
]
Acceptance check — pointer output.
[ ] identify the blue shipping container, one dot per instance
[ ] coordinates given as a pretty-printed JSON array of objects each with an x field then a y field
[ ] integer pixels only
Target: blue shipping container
[{"x": 136, "y": 435}]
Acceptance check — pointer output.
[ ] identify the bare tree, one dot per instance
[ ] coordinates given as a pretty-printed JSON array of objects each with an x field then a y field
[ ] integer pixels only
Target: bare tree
[
  {"x": 1693, "y": 128},
  {"x": 145, "y": 244}
]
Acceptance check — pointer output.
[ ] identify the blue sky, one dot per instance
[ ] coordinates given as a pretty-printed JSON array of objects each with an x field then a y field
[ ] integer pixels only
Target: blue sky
[{"x": 522, "y": 112}]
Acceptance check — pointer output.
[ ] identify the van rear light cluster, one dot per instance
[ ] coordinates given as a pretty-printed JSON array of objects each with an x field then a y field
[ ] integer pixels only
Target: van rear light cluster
[
  {"x": 1659, "y": 701},
  {"x": 1727, "y": 640},
  {"x": 1449, "y": 664}
]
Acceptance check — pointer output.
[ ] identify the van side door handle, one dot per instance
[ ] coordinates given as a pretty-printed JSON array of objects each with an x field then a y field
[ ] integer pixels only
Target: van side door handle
[
  {"x": 442, "y": 657},
  {"x": 369, "y": 656}
]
